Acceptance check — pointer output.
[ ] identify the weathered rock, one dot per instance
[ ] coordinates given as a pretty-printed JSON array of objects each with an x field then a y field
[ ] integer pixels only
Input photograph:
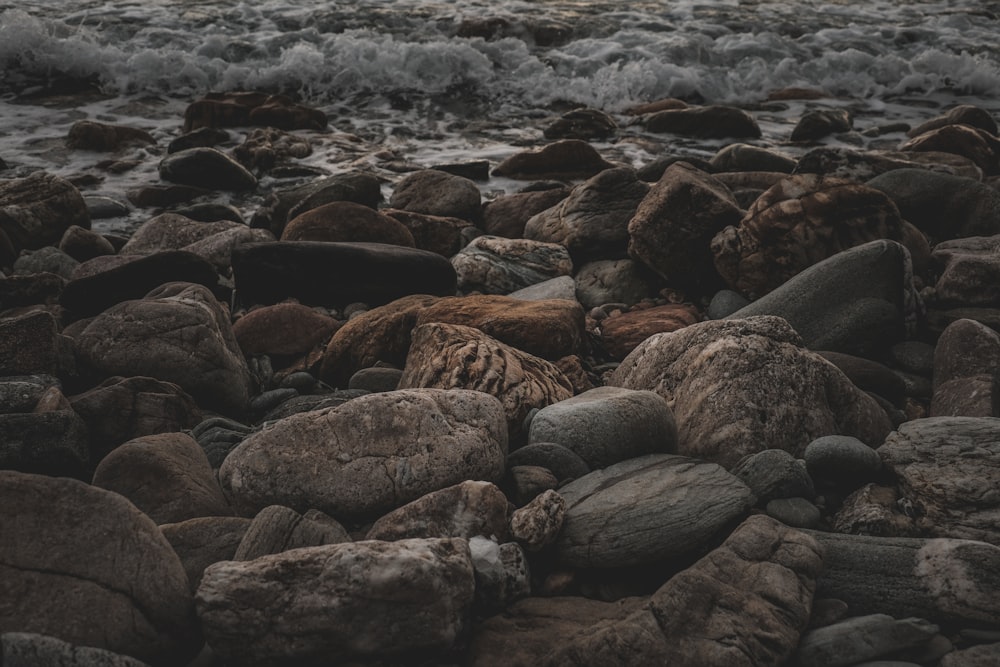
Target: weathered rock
[
  {"x": 852, "y": 165},
  {"x": 746, "y": 157},
  {"x": 369, "y": 455},
  {"x": 948, "y": 467},
  {"x": 202, "y": 137},
  {"x": 439, "y": 234},
  {"x": 89, "y": 135},
  {"x": 376, "y": 379},
  {"x": 28, "y": 649},
  {"x": 963, "y": 114},
  {"x": 705, "y": 122},
  {"x": 453, "y": 356},
  {"x": 495, "y": 265},
  {"x": 84, "y": 565},
  {"x": 741, "y": 386},
  {"x": 592, "y": 222},
  {"x": 537, "y": 524},
  {"x": 284, "y": 329},
  {"x": 281, "y": 206},
  {"x": 977, "y": 396},
  {"x": 206, "y": 168},
  {"x": 861, "y": 638},
  {"x": 29, "y": 344},
  {"x": 874, "y": 510},
  {"x": 40, "y": 288},
  {"x": 647, "y": 509},
  {"x": 869, "y": 375},
  {"x": 276, "y": 529},
  {"x": 264, "y": 148},
  {"x": 522, "y": 484},
  {"x": 841, "y": 460},
  {"x": 203, "y": 541},
  {"x": 983, "y": 655},
  {"x": 794, "y": 512},
  {"x": 607, "y": 425},
  {"x": 341, "y": 602},
  {"x": 502, "y": 575},
  {"x": 620, "y": 334},
  {"x": 48, "y": 438},
  {"x": 463, "y": 510},
  {"x": 45, "y": 260},
  {"x": 672, "y": 227},
  {"x": 83, "y": 244},
  {"x": 213, "y": 241},
  {"x": 36, "y": 211},
  {"x": 581, "y": 124},
  {"x": 979, "y": 146},
  {"x": 798, "y": 222},
  {"x": 508, "y": 215},
  {"x": 611, "y": 281},
  {"x": 969, "y": 269},
  {"x": 344, "y": 221},
  {"x": 251, "y": 108},
  {"x": 336, "y": 274},
  {"x": 774, "y": 473},
  {"x": 436, "y": 192},
  {"x": 819, "y": 123},
  {"x": 179, "y": 333},
  {"x": 167, "y": 476},
  {"x": 566, "y": 159}
]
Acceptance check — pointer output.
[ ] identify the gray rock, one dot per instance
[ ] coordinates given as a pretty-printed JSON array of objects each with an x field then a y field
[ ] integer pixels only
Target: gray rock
[
  {"x": 339, "y": 602},
  {"x": 206, "y": 168},
  {"x": 861, "y": 638},
  {"x": 45, "y": 260},
  {"x": 794, "y": 512},
  {"x": 611, "y": 281},
  {"x": 774, "y": 473},
  {"x": 607, "y": 425},
  {"x": 26, "y": 649},
  {"x": 463, "y": 510},
  {"x": 842, "y": 460},
  {"x": 968, "y": 270},
  {"x": 562, "y": 461},
  {"x": 523, "y": 484},
  {"x": 495, "y": 265},
  {"x": 913, "y": 356},
  {"x": 276, "y": 529},
  {"x": 725, "y": 303},
  {"x": 52, "y": 442},
  {"x": 560, "y": 287},
  {"x": 984, "y": 655},
  {"x": 647, "y": 509}
]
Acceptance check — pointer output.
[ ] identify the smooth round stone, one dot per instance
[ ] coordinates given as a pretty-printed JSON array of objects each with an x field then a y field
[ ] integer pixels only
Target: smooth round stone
[
  {"x": 375, "y": 379},
  {"x": 269, "y": 400},
  {"x": 774, "y": 473},
  {"x": 794, "y": 512},
  {"x": 101, "y": 207},
  {"x": 913, "y": 356},
  {"x": 302, "y": 381},
  {"x": 725, "y": 303},
  {"x": 841, "y": 458},
  {"x": 563, "y": 462}
]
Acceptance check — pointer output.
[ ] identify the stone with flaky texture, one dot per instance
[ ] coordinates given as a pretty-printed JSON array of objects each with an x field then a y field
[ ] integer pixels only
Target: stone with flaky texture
[
  {"x": 647, "y": 509},
  {"x": 369, "y": 455},
  {"x": 340, "y": 602},
  {"x": 463, "y": 510},
  {"x": 950, "y": 468},
  {"x": 179, "y": 333},
  {"x": 737, "y": 387},
  {"x": 452, "y": 356},
  {"x": 495, "y": 265},
  {"x": 84, "y": 565}
]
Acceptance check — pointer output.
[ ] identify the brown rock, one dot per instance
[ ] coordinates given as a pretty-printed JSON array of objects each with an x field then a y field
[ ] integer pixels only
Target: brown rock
[
  {"x": 264, "y": 148},
  {"x": 203, "y": 541},
  {"x": 966, "y": 348},
  {"x": 463, "y": 510},
  {"x": 969, "y": 272},
  {"x": 705, "y": 122},
  {"x": 507, "y": 215},
  {"x": 819, "y": 123},
  {"x": 495, "y": 265},
  {"x": 581, "y": 124},
  {"x": 977, "y": 396},
  {"x": 213, "y": 241},
  {"x": 436, "y": 192},
  {"x": 284, "y": 329},
  {"x": 240, "y": 109},
  {"x": 346, "y": 221},
  {"x": 443, "y": 235},
  {"x": 89, "y": 135},
  {"x": 282, "y": 205},
  {"x": 979, "y": 146},
  {"x": 737, "y": 159},
  {"x": 566, "y": 159},
  {"x": 83, "y": 244},
  {"x": 36, "y": 211},
  {"x": 276, "y": 529},
  {"x": 537, "y": 524},
  {"x": 963, "y": 114},
  {"x": 620, "y": 334},
  {"x": 29, "y": 344},
  {"x": 874, "y": 510}
]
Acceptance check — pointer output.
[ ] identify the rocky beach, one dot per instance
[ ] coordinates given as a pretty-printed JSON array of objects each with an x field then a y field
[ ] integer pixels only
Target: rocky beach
[{"x": 686, "y": 376}]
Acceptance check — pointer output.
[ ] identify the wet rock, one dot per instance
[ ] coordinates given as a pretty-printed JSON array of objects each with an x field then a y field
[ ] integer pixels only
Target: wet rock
[
  {"x": 251, "y": 108},
  {"x": 345, "y": 221},
  {"x": 434, "y": 192},
  {"x": 264, "y": 148},
  {"x": 737, "y": 387},
  {"x": 592, "y": 222},
  {"x": 206, "y": 168},
  {"x": 442, "y": 235},
  {"x": 495, "y": 265},
  {"x": 90, "y": 135},
  {"x": 36, "y": 212},
  {"x": 161, "y": 196},
  {"x": 28, "y": 649},
  {"x": 582, "y": 124},
  {"x": 29, "y": 344},
  {"x": 281, "y": 206},
  {"x": 376, "y": 379},
  {"x": 83, "y": 244},
  {"x": 981, "y": 147},
  {"x": 566, "y": 159},
  {"x": 451, "y": 356},
  {"x": 746, "y": 157},
  {"x": 841, "y": 460},
  {"x": 963, "y": 114},
  {"x": 774, "y": 473},
  {"x": 276, "y": 529},
  {"x": 563, "y": 462},
  {"x": 48, "y": 438},
  {"x": 214, "y": 241},
  {"x": 342, "y": 602},
  {"x": 948, "y": 467},
  {"x": 361, "y": 458},
  {"x": 672, "y": 227},
  {"x": 611, "y": 281},
  {"x": 620, "y": 334},
  {"x": 537, "y": 524},
  {"x": 969, "y": 270},
  {"x": 284, "y": 329},
  {"x": 84, "y": 565},
  {"x": 869, "y": 375},
  {"x": 335, "y": 274},
  {"x": 179, "y": 333},
  {"x": 704, "y": 122},
  {"x": 203, "y": 137},
  {"x": 861, "y": 638},
  {"x": 507, "y": 215},
  {"x": 663, "y": 506},
  {"x": 463, "y": 510},
  {"x": 820, "y": 123},
  {"x": 797, "y": 223}
]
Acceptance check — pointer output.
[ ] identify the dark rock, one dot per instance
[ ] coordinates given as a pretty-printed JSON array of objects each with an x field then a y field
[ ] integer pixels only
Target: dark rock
[
  {"x": 276, "y": 529},
  {"x": 45, "y": 260},
  {"x": 346, "y": 221},
  {"x": 774, "y": 473},
  {"x": 582, "y": 124},
  {"x": 284, "y": 329},
  {"x": 203, "y": 137},
  {"x": 963, "y": 114},
  {"x": 264, "y": 148},
  {"x": 869, "y": 375},
  {"x": 966, "y": 349},
  {"x": 560, "y": 287},
  {"x": 745, "y": 157},
  {"x": 28, "y": 649},
  {"x": 281, "y": 206},
  {"x": 980, "y": 146},
  {"x": 705, "y": 122},
  {"x": 967, "y": 397},
  {"x": 725, "y": 303},
  {"x": 620, "y": 334},
  {"x": 862, "y": 638},
  {"x": 203, "y": 541},
  {"x": 507, "y": 215},
  {"x": 502, "y": 575},
  {"x": 474, "y": 170},
  {"x": 206, "y": 168},
  {"x": 89, "y": 135},
  {"x": 566, "y": 159},
  {"x": 969, "y": 271},
  {"x": 49, "y": 441},
  {"x": 564, "y": 463},
  {"x": 251, "y": 108},
  {"x": 841, "y": 460},
  {"x": 213, "y": 241},
  {"x": 29, "y": 344},
  {"x": 82, "y": 244},
  {"x": 435, "y": 192},
  {"x": 39, "y": 288},
  {"x": 376, "y": 379},
  {"x": 611, "y": 281},
  {"x": 794, "y": 512},
  {"x": 495, "y": 265},
  {"x": 442, "y": 235},
  {"x": 164, "y": 196},
  {"x": 819, "y": 123},
  {"x": 36, "y": 211},
  {"x": 464, "y": 510}
]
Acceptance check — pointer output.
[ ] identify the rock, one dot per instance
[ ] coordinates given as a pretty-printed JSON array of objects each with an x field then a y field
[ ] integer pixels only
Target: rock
[
  {"x": 979, "y": 146},
  {"x": 29, "y": 344},
  {"x": 858, "y": 166},
  {"x": 474, "y": 170},
  {"x": 124, "y": 408},
  {"x": 276, "y": 529},
  {"x": 946, "y": 581},
  {"x": 855, "y": 301},
  {"x": 206, "y": 168},
  {"x": 22, "y": 393},
  {"x": 45, "y": 260},
  {"x": 507, "y": 215},
  {"x": 211, "y": 212},
  {"x": 251, "y": 108},
  {"x": 84, "y": 565},
  {"x": 28, "y": 649},
  {"x": 83, "y": 244},
  {"x": 647, "y": 509},
  {"x": 264, "y": 148},
  {"x": 560, "y": 287},
  {"x": 179, "y": 333},
  {"x": 724, "y": 303},
  {"x": 376, "y": 379},
  {"x": 342, "y": 602},
  {"x": 869, "y": 375},
  {"x": 967, "y": 397},
  {"x": 281, "y": 206},
  {"x": 438, "y": 234},
  {"x": 861, "y": 638},
  {"x": 737, "y": 387},
  {"x": 452, "y": 356},
  {"x": 875, "y": 510},
  {"x": 620, "y": 334},
  {"x": 39, "y": 288},
  {"x": 963, "y": 114},
  {"x": 45, "y": 439},
  {"x": 611, "y": 281},
  {"x": 203, "y": 541},
  {"x": 335, "y": 274},
  {"x": 774, "y": 473},
  {"x": 820, "y": 123},
  {"x": 968, "y": 272},
  {"x": 345, "y": 221},
  {"x": 966, "y": 349},
  {"x": 983, "y": 655},
  {"x": 89, "y": 135},
  {"x": 369, "y": 455},
  {"x": 203, "y": 137},
  {"x": 213, "y": 241},
  {"x": 434, "y": 192},
  {"x": 948, "y": 467},
  {"x": 103, "y": 282},
  {"x": 537, "y": 524},
  {"x": 161, "y": 196},
  {"x": 794, "y": 512},
  {"x": 672, "y": 227},
  {"x": 495, "y": 265},
  {"x": 464, "y": 510},
  {"x": 567, "y": 159},
  {"x": 592, "y": 222},
  {"x": 36, "y": 211},
  {"x": 841, "y": 460},
  {"x": 942, "y": 206},
  {"x": 582, "y": 124},
  {"x": 704, "y": 122},
  {"x": 798, "y": 222},
  {"x": 167, "y": 476},
  {"x": 607, "y": 425},
  {"x": 563, "y": 462},
  {"x": 522, "y": 484},
  {"x": 502, "y": 575},
  {"x": 746, "y": 157},
  {"x": 284, "y": 329}
]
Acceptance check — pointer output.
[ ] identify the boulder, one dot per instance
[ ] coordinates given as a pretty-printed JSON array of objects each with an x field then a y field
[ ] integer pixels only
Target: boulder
[
  {"x": 978, "y": 145},
  {"x": 711, "y": 122},
  {"x": 90, "y": 135},
  {"x": 963, "y": 114},
  {"x": 508, "y": 215},
  {"x": 537, "y": 524},
  {"x": 748, "y": 158},
  {"x": 647, "y": 510},
  {"x": 870, "y": 376},
  {"x": 49, "y": 438},
  {"x": 345, "y": 221},
  {"x": 30, "y": 343},
  {"x": 284, "y": 329},
  {"x": 737, "y": 387},
  {"x": 977, "y": 396},
  {"x": 84, "y": 565},
  {"x": 83, "y": 244},
  {"x": 562, "y": 462},
  {"x": 434, "y": 192},
  {"x": 495, "y": 265},
  {"x": 774, "y": 473},
  {"x": 214, "y": 241},
  {"x": 620, "y": 334},
  {"x": 282, "y": 205},
  {"x": 179, "y": 333},
  {"x": 35, "y": 212},
  {"x": 966, "y": 349},
  {"x": 968, "y": 272},
  {"x": 582, "y": 124},
  {"x": 276, "y": 529},
  {"x": 560, "y": 287},
  {"x": 862, "y": 638},
  {"x": 501, "y": 572},
  {"x": 611, "y": 281},
  {"x": 29, "y": 649},
  {"x": 841, "y": 460},
  {"x": 566, "y": 159},
  {"x": 820, "y": 123},
  {"x": 265, "y": 148},
  {"x": 464, "y": 510},
  {"x": 435, "y": 233},
  {"x": 49, "y": 259},
  {"x": 203, "y": 541},
  {"x": 340, "y": 602},
  {"x": 983, "y": 655},
  {"x": 206, "y": 168},
  {"x": 251, "y": 108},
  {"x": 369, "y": 455}
]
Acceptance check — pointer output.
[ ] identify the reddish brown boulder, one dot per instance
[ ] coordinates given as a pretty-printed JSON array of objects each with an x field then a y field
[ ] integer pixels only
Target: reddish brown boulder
[
  {"x": 284, "y": 329},
  {"x": 705, "y": 122},
  {"x": 566, "y": 159},
  {"x": 963, "y": 114},
  {"x": 978, "y": 145},
  {"x": 344, "y": 221},
  {"x": 621, "y": 334},
  {"x": 507, "y": 215},
  {"x": 436, "y": 192},
  {"x": 440, "y": 234}
]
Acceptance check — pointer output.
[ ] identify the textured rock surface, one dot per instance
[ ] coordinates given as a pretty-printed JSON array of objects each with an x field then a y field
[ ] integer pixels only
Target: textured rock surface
[
  {"x": 27, "y": 649},
  {"x": 508, "y": 215},
  {"x": 611, "y": 281},
  {"x": 620, "y": 334},
  {"x": 704, "y": 122},
  {"x": 438, "y": 234},
  {"x": 212, "y": 240},
  {"x": 344, "y": 221},
  {"x": 203, "y": 541},
  {"x": 861, "y": 638},
  {"x": 282, "y": 329},
  {"x": 436, "y": 192},
  {"x": 741, "y": 386},
  {"x": 495, "y": 265},
  {"x": 463, "y": 510},
  {"x": 969, "y": 272},
  {"x": 276, "y": 529},
  {"x": 566, "y": 159},
  {"x": 206, "y": 168},
  {"x": 36, "y": 211},
  {"x": 370, "y": 454},
  {"x": 647, "y": 509},
  {"x": 537, "y": 524}
]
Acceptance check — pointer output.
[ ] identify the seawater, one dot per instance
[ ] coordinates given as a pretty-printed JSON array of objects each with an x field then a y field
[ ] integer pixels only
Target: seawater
[{"x": 423, "y": 81}]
